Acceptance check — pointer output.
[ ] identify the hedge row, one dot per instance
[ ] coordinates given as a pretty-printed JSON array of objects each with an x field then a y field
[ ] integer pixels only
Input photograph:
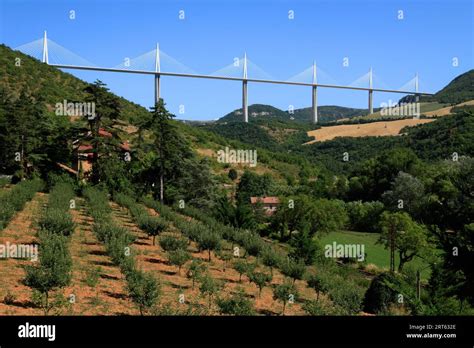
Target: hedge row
[
  {"x": 57, "y": 218},
  {"x": 142, "y": 287},
  {"x": 152, "y": 225},
  {"x": 15, "y": 199}
]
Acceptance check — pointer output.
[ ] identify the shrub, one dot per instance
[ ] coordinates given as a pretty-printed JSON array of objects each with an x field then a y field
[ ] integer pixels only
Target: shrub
[
  {"x": 178, "y": 258},
  {"x": 284, "y": 292},
  {"x": 293, "y": 269},
  {"x": 92, "y": 276},
  {"x": 195, "y": 270},
  {"x": 242, "y": 267},
  {"x": 318, "y": 283},
  {"x": 380, "y": 295},
  {"x": 143, "y": 289},
  {"x": 14, "y": 200},
  {"x": 209, "y": 287},
  {"x": 319, "y": 308},
  {"x": 54, "y": 269},
  {"x": 348, "y": 296},
  {"x": 170, "y": 243},
  {"x": 152, "y": 225},
  {"x": 260, "y": 279},
  {"x": 210, "y": 240},
  {"x": 237, "y": 304},
  {"x": 270, "y": 258},
  {"x": 253, "y": 244},
  {"x": 57, "y": 221}
]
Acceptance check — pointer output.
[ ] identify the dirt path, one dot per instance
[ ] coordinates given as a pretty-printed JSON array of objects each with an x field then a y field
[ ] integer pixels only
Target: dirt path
[
  {"x": 20, "y": 230},
  {"x": 97, "y": 284}
]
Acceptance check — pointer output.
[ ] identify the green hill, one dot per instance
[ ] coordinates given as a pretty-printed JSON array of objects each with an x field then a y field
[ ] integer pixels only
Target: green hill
[
  {"x": 20, "y": 72},
  {"x": 459, "y": 90},
  {"x": 260, "y": 112}
]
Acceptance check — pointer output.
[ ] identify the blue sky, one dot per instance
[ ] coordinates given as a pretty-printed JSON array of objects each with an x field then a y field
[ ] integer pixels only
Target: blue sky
[{"x": 369, "y": 33}]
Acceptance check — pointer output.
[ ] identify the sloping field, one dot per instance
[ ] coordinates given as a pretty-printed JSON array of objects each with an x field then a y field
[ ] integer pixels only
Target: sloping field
[
  {"x": 447, "y": 110},
  {"x": 375, "y": 129}
]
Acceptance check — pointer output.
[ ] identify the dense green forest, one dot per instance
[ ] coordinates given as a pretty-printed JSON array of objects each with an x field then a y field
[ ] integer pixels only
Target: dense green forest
[{"x": 416, "y": 189}]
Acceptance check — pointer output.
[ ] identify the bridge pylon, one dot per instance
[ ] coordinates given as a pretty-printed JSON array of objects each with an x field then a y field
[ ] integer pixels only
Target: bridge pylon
[
  {"x": 371, "y": 91},
  {"x": 45, "y": 48},
  {"x": 315, "y": 95},
  {"x": 245, "y": 107},
  {"x": 157, "y": 75}
]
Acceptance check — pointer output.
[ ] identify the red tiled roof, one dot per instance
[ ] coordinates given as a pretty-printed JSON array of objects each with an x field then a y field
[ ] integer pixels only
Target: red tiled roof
[
  {"x": 85, "y": 147},
  {"x": 125, "y": 146},
  {"x": 265, "y": 200},
  {"x": 104, "y": 133}
]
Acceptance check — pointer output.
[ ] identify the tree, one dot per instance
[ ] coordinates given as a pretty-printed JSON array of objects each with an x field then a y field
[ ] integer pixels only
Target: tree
[
  {"x": 55, "y": 267},
  {"x": 284, "y": 292},
  {"x": 195, "y": 270},
  {"x": 171, "y": 243},
  {"x": 270, "y": 258},
  {"x": 294, "y": 269},
  {"x": 209, "y": 286},
  {"x": 152, "y": 225},
  {"x": 318, "y": 283},
  {"x": 304, "y": 247},
  {"x": 364, "y": 216},
  {"x": 347, "y": 295},
  {"x": 242, "y": 267},
  {"x": 400, "y": 232},
  {"x": 143, "y": 289},
  {"x": 179, "y": 258},
  {"x": 107, "y": 112},
  {"x": 314, "y": 216},
  {"x": 407, "y": 194},
  {"x": 260, "y": 279},
  {"x": 209, "y": 240},
  {"x": 380, "y": 294},
  {"x": 254, "y": 185},
  {"x": 238, "y": 304},
  {"x": 253, "y": 244}
]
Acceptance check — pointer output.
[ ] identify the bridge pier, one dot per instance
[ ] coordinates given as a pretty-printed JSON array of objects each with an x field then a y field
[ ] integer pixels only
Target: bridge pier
[
  {"x": 245, "y": 109},
  {"x": 371, "y": 91},
  {"x": 315, "y": 104},
  {"x": 371, "y": 107},
  {"x": 157, "y": 88}
]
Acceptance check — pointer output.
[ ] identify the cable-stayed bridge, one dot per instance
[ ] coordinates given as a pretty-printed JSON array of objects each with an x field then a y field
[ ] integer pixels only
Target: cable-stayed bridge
[{"x": 242, "y": 70}]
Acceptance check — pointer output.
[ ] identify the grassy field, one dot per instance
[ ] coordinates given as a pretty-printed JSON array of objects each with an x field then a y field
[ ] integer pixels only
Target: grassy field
[
  {"x": 363, "y": 130},
  {"x": 376, "y": 253}
]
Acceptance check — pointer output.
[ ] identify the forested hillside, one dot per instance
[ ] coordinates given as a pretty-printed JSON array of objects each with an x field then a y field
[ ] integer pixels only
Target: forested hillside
[{"x": 326, "y": 113}]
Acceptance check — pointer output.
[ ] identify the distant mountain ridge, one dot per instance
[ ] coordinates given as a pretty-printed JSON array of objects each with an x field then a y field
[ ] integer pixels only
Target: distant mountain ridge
[{"x": 326, "y": 113}]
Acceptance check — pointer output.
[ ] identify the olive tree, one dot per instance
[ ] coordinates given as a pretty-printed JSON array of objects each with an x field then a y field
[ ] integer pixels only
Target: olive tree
[
  {"x": 209, "y": 286},
  {"x": 237, "y": 304},
  {"x": 260, "y": 279},
  {"x": 284, "y": 293},
  {"x": 144, "y": 290},
  {"x": 54, "y": 269},
  {"x": 179, "y": 258},
  {"x": 195, "y": 270},
  {"x": 209, "y": 240}
]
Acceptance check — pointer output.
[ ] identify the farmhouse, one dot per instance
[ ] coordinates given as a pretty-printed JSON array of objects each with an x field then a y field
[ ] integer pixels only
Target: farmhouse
[{"x": 269, "y": 204}]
